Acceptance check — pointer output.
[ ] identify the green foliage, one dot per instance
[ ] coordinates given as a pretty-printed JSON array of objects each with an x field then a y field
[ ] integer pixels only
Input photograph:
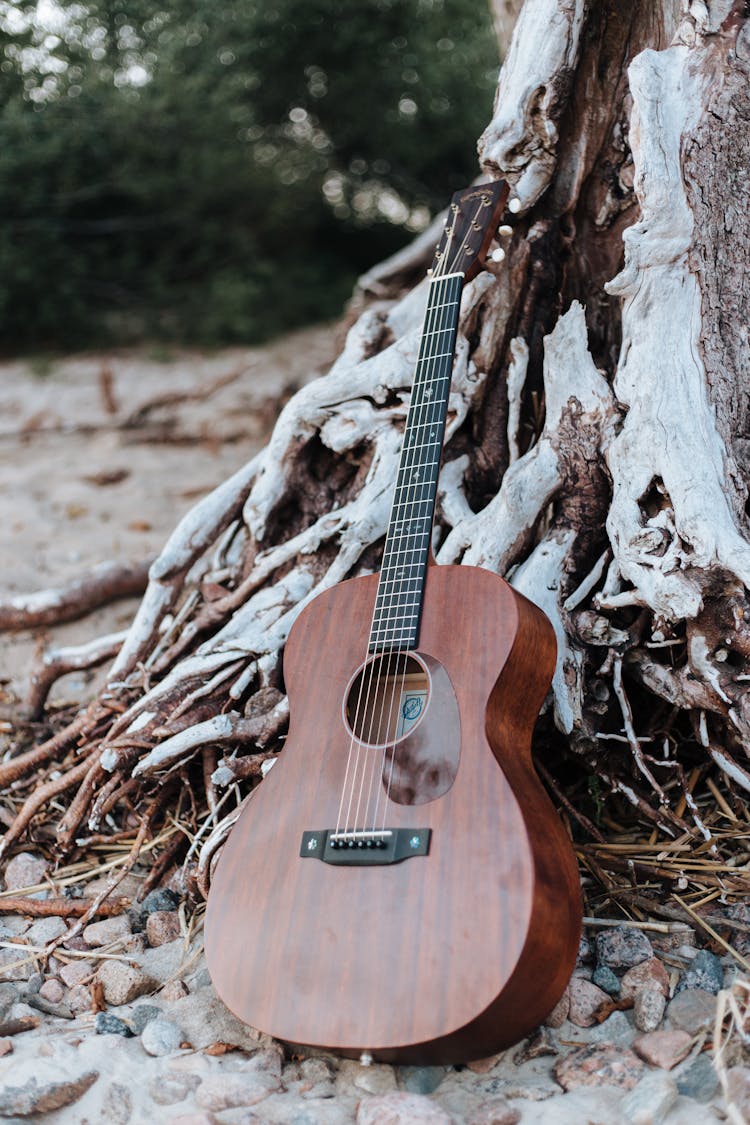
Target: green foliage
[{"x": 215, "y": 172}]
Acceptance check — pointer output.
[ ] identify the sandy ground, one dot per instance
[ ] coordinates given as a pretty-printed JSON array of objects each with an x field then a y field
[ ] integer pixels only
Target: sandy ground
[{"x": 89, "y": 473}]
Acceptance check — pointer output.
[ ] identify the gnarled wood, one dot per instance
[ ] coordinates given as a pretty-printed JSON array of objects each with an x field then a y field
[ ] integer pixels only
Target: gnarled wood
[{"x": 597, "y": 441}]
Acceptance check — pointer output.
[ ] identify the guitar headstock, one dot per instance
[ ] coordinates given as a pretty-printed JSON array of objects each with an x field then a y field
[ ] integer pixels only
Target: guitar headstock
[{"x": 473, "y": 219}]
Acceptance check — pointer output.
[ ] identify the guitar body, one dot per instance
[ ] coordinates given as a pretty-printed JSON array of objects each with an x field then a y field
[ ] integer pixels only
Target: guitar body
[{"x": 442, "y": 957}]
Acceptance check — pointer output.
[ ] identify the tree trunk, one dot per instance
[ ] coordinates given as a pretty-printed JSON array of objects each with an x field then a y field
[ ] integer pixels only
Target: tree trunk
[{"x": 597, "y": 451}]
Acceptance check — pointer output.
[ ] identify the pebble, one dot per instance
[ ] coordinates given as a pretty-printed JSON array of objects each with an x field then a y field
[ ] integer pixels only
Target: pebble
[
  {"x": 52, "y": 990},
  {"x": 76, "y": 943},
  {"x": 681, "y": 934},
  {"x": 375, "y": 1079},
  {"x": 42, "y": 1097},
  {"x": 704, "y": 971},
  {"x": 75, "y": 972},
  {"x": 663, "y": 1048},
  {"x": 117, "y": 1105},
  {"x": 559, "y": 1013},
  {"x": 585, "y": 999},
  {"x": 79, "y": 999},
  {"x": 401, "y": 1109},
  {"x": 142, "y": 1015},
  {"x": 648, "y": 975},
  {"x": 162, "y": 926},
  {"x": 541, "y": 1043},
  {"x": 206, "y": 1020},
  {"x": 420, "y": 1079},
  {"x": 160, "y": 899},
  {"x": 699, "y": 1081},
  {"x": 13, "y": 925},
  {"x": 107, "y": 931},
  {"x": 621, "y": 948},
  {"x": 45, "y": 930},
  {"x": 122, "y": 982},
  {"x": 9, "y": 996},
  {"x": 605, "y": 979},
  {"x": 495, "y": 1111},
  {"x": 227, "y": 1091},
  {"x": 648, "y": 1009},
  {"x": 15, "y": 964},
  {"x": 484, "y": 1066},
  {"x": 314, "y": 1078},
  {"x": 738, "y": 1090},
  {"x": 25, "y": 870},
  {"x": 586, "y": 952},
  {"x": 650, "y": 1101},
  {"x": 107, "y": 1024},
  {"x": 174, "y": 990},
  {"x": 173, "y": 1087},
  {"x": 740, "y": 912},
  {"x": 692, "y": 1010},
  {"x": 599, "y": 1064},
  {"x": 617, "y": 1029},
  {"x": 34, "y": 983},
  {"x": 195, "y": 1119},
  {"x": 161, "y": 1037}
]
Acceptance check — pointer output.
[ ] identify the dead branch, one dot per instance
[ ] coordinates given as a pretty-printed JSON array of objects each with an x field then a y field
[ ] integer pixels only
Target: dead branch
[
  {"x": 104, "y": 583},
  {"x": 60, "y": 907}
]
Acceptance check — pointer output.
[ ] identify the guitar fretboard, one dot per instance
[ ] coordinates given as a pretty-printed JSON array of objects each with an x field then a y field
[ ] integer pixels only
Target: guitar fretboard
[{"x": 398, "y": 604}]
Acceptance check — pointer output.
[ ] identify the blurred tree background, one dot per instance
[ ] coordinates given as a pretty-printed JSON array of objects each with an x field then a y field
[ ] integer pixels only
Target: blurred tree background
[{"x": 214, "y": 173}]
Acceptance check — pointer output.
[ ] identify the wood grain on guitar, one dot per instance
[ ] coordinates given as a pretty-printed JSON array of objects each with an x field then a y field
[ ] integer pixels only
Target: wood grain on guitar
[{"x": 401, "y": 885}]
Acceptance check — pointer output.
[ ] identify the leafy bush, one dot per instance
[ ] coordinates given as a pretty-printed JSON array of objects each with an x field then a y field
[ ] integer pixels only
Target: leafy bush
[{"x": 217, "y": 173}]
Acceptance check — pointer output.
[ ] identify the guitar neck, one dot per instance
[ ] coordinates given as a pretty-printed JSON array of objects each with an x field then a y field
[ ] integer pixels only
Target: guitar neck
[{"x": 398, "y": 604}]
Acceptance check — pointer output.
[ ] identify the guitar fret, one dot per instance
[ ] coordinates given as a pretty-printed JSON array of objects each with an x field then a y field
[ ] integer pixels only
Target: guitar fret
[
  {"x": 398, "y": 611},
  {"x": 440, "y": 355}
]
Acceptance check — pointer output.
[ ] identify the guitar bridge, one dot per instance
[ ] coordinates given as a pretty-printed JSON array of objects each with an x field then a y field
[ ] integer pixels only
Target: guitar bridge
[{"x": 365, "y": 848}]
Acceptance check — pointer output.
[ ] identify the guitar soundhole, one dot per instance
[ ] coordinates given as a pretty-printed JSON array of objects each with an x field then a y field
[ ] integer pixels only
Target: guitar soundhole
[
  {"x": 387, "y": 698},
  {"x": 403, "y": 707}
]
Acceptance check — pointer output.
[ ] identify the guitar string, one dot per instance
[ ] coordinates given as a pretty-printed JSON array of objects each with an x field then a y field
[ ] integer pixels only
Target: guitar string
[
  {"x": 432, "y": 407},
  {"x": 442, "y": 409},
  {"x": 431, "y": 318},
  {"x": 396, "y": 665},
  {"x": 427, "y": 407},
  {"x": 411, "y": 544},
  {"x": 374, "y": 677},
  {"x": 365, "y": 677},
  {"x": 398, "y": 679}
]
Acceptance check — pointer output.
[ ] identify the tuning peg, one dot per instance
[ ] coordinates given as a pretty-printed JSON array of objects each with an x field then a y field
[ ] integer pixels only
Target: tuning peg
[
  {"x": 504, "y": 231},
  {"x": 497, "y": 255},
  {"x": 514, "y": 205}
]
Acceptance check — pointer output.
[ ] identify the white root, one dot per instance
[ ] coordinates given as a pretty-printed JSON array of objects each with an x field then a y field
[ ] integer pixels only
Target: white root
[
  {"x": 538, "y": 579},
  {"x": 195, "y": 532},
  {"x": 228, "y": 727},
  {"x": 519, "y": 362},
  {"x": 521, "y": 140},
  {"x": 669, "y": 434},
  {"x": 494, "y": 537}
]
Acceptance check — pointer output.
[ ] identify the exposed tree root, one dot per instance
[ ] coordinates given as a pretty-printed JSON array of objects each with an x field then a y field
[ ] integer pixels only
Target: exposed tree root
[
  {"x": 104, "y": 583},
  {"x": 586, "y": 459}
]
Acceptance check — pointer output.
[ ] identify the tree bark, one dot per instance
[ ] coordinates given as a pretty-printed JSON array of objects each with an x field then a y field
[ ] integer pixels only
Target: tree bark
[{"x": 597, "y": 449}]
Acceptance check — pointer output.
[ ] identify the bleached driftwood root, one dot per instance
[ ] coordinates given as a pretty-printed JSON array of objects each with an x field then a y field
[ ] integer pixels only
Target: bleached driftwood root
[
  {"x": 103, "y": 583},
  {"x": 590, "y": 457}
]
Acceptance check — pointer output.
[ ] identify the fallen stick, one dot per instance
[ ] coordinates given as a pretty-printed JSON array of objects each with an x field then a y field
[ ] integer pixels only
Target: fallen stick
[
  {"x": 16, "y": 1027},
  {"x": 60, "y": 907},
  {"x": 104, "y": 583}
]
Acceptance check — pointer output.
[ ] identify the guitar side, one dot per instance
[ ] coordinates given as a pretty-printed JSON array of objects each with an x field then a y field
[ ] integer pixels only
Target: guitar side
[{"x": 443, "y": 957}]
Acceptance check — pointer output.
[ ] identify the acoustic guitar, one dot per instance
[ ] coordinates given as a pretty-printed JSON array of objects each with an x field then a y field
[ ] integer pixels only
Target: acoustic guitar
[{"x": 400, "y": 887}]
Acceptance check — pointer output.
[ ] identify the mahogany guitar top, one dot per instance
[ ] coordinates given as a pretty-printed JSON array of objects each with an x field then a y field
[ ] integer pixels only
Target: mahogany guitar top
[{"x": 447, "y": 955}]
